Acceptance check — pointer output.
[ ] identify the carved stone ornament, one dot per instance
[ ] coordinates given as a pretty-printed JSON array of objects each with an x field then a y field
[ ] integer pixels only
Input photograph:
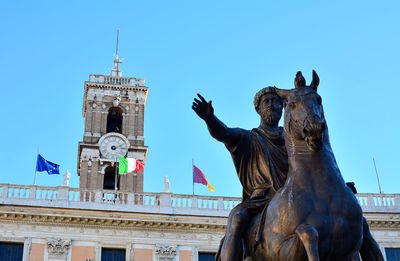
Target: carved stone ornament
[
  {"x": 58, "y": 248},
  {"x": 166, "y": 252},
  {"x": 117, "y": 100}
]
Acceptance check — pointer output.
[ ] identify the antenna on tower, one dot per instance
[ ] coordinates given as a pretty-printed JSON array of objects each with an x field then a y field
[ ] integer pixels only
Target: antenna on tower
[
  {"x": 115, "y": 71},
  {"x": 116, "y": 48}
]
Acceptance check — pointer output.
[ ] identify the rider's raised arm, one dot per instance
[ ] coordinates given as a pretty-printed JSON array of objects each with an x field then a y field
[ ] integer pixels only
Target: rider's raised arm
[
  {"x": 217, "y": 129},
  {"x": 222, "y": 133}
]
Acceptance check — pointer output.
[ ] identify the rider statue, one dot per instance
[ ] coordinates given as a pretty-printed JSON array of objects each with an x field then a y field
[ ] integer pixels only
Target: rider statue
[
  {"x": 261, "y": 162},
  {"x": 260, "y": 159}
]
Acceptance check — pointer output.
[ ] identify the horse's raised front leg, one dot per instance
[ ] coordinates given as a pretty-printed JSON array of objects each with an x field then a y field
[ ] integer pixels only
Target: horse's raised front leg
[
  {"x": 309, "y": 237},
  {"x": 300, "y": 246}
]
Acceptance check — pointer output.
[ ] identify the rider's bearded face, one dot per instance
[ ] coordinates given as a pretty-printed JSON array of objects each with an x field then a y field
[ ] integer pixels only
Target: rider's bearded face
[{"x": 270, "y": 109}]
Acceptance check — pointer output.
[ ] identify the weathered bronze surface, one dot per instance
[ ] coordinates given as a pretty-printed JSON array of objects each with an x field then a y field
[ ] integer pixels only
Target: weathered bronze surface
[{"x": 311, "y": 216}]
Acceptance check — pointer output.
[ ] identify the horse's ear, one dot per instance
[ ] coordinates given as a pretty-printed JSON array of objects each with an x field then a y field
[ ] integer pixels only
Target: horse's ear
[{"x": 315, "y": 81}]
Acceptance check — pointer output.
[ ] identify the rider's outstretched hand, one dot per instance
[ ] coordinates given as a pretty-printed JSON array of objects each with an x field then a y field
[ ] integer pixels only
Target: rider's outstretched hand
[{"x": 203, "y": 108}]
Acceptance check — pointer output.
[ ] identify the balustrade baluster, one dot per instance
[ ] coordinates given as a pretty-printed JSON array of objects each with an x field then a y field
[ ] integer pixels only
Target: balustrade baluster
[
  {"x": 370, "y": 201},
  {"x": 397, "y": 201}
]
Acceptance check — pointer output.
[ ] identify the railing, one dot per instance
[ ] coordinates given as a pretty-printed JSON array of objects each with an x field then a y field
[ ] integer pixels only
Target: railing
[
  {"x": 29, "y": 192},
  {"x": 106, "y": 79},
  {"x": 379, "y": 202},
  {"x": 152, "y": 202},
  {"x": 203, "y": 202}
]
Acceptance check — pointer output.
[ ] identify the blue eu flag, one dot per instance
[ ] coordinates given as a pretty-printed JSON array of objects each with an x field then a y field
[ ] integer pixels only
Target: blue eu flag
[{"x": 44, "y": 165}]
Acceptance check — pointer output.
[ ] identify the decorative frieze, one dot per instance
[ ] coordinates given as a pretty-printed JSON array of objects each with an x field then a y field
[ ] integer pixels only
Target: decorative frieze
[{"x": 149, "y": 223}]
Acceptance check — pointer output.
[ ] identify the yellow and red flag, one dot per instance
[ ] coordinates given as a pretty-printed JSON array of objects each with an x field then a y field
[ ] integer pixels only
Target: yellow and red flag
[{"x": 199, "y": 177}]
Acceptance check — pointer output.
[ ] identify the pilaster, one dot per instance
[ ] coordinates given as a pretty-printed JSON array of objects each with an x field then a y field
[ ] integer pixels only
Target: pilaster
[{"x": 94, "y": 175}]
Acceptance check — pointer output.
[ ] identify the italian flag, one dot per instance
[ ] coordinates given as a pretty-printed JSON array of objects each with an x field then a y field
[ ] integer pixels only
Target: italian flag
[{"x": 127, "y": 165}]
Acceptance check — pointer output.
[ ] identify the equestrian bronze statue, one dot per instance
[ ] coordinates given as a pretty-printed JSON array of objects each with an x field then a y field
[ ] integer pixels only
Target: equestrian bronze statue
[{"x": 296, "y": 205}]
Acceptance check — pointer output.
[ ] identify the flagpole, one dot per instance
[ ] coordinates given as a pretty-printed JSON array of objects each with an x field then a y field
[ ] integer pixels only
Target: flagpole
[
  {"x": 193, "y": 174},
  {"x": 34, "y": 179},
  {"x": 116, "y": 177},
  {"x": 376, "y": 171}
]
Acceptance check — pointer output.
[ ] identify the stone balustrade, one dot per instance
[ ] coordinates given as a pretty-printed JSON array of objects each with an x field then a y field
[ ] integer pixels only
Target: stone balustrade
[
  {"x": 106, "y": 79},
  {"x": 165, "y": 203}
]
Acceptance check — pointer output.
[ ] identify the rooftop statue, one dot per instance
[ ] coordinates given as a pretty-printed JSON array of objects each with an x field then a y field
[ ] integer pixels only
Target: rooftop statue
[{"x": 296, "y": 205}]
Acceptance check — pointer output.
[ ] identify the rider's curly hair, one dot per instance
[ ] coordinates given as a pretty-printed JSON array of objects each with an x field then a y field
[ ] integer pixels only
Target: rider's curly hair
[{"x": 261, "y": 93}]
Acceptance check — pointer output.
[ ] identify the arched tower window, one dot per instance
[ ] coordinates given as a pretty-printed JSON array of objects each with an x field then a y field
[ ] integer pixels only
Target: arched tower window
[
  {"x": 109, "y": 178},
  {"x": 114, "y": 120}
]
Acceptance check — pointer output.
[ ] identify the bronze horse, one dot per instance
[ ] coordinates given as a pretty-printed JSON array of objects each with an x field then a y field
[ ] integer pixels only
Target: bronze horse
[{"x": 314, "y": 216}]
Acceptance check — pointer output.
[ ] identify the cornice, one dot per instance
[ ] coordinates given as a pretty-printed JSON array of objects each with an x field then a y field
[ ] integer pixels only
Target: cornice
[
  {"x": 381, "y": 220},
  {"x": 116, "y": 86},
  {"x": 144, "y": 221},
  {"x": 386, "y": 224},
  {"x": 105, "y": 219}
]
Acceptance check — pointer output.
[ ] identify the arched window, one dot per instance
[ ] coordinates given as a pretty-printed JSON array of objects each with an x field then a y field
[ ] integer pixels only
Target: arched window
[
  {"x": 114, "y": 120},
  {"x": 109, "y": 178}
]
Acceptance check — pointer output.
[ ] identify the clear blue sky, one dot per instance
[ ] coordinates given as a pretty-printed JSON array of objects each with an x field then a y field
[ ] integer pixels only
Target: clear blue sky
[{"x": 226, "y": 50}]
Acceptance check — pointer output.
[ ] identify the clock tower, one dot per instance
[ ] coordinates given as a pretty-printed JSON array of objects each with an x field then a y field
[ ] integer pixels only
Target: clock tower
[{"x": 113, "y": 109}]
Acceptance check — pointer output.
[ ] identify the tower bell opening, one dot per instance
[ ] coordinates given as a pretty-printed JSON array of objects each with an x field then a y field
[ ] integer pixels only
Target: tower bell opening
[{"x": 114, "y": 120}]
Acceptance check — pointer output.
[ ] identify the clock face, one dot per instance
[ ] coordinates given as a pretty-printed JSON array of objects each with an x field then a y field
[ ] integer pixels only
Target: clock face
[{"x": 113, "y": 145}]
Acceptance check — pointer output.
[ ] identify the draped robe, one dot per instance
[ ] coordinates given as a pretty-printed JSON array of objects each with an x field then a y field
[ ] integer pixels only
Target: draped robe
[{"x": 260, "y": 160}]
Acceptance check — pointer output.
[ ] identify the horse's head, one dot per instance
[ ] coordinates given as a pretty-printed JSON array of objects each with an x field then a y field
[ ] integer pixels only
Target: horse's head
[{"x": 304, "y": 115}]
